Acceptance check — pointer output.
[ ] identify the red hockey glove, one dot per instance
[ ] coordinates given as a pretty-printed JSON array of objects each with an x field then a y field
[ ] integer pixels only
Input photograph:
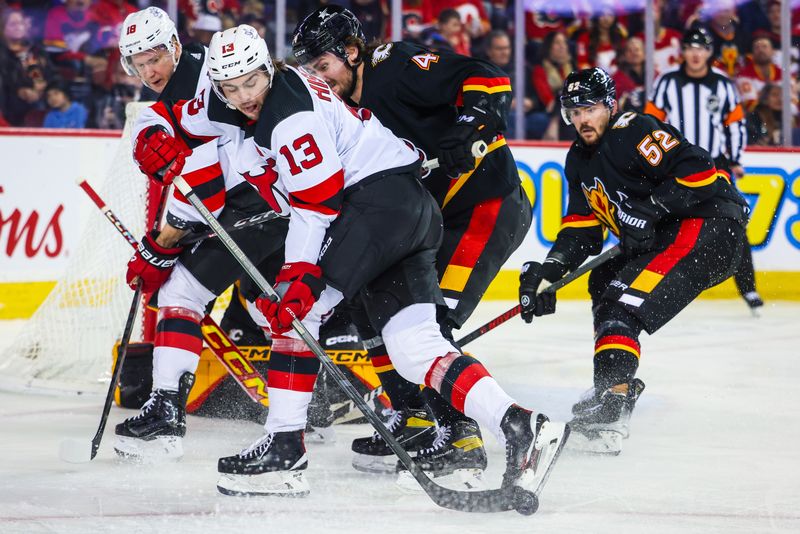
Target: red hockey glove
[
  {"x": 152, "y": 263},
  {"x": 154, "y": 150},
  {"x": 303, "y": 285},
  {"x": 533, "y": 280}
]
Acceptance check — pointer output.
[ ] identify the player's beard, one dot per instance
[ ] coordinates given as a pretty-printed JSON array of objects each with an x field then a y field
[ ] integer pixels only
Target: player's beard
[{"x": 350, "y": 84}]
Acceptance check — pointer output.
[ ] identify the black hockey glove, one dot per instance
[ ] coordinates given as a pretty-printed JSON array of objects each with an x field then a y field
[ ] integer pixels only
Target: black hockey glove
[
  {"x": 534, "y": 278},
  {"x": 637, "y": 225},
  {"x": 455, "y": 146}
]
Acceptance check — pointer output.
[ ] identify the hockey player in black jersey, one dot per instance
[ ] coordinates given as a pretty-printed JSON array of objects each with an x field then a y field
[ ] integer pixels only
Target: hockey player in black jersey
[
  {"x": 442, "y": 103},
  {"x": 680, "y": 223}
]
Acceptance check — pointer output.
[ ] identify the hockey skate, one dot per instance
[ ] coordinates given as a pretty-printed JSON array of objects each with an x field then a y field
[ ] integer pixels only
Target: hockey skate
[
  {"x": 413, "y": 429},
  {"x": 601, "y": 422},
  {"x": 532, "y": 448},
  {"x": 157, "y": 431},
  {"x": 274, "y": 465},
  {"x": 456, "y": 459}
]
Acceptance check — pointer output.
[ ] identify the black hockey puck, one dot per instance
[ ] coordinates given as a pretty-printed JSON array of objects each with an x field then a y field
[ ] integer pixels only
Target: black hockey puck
[{"x": 525, "y": 502}]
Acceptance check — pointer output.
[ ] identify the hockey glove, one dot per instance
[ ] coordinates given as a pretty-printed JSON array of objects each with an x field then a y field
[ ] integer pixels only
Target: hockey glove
[
  {"x": 154, "y": 150},
  {"x": 637, "y": 225},
  {"x": 301, "y": 285},
  {"x": 152, "y": 263},
  {"x": 455, "y": 146},
  {"x": 534, "y": 278}
]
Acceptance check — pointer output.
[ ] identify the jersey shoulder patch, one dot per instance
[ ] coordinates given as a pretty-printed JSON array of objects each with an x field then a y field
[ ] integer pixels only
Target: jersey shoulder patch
[
  {"x": 288, "y": 95},
  {"x": 381, "y": 53}
]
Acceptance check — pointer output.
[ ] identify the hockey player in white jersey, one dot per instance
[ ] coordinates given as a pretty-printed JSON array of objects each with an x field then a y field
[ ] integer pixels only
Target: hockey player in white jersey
[
  {"x": 362, "y": 226},
  {"x": 186, "y": 279}
]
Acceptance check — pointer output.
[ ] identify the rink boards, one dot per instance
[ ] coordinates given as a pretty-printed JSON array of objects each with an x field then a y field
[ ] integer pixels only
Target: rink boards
[{"x": 43, "y": 213}]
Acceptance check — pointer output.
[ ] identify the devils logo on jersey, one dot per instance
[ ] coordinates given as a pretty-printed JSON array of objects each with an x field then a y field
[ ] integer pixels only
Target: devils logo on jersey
[{"x": 603, "y": 207}]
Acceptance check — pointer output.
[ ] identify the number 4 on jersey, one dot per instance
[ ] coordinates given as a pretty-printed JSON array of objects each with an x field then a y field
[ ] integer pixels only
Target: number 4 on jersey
[{"x": 424, "y": 61}]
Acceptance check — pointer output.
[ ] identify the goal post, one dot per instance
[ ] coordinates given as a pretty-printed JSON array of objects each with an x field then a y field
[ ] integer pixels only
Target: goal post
[{"x": 66, "y": 344}]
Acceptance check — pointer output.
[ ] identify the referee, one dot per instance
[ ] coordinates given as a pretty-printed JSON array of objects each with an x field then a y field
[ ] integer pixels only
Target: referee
[{"x": 704, "y": 105}]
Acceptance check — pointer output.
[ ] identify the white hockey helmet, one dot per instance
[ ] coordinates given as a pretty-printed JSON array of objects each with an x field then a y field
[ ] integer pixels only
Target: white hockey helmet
[
  {"x": 236, "y": 52},
  {"x": 145, "y": 30}
]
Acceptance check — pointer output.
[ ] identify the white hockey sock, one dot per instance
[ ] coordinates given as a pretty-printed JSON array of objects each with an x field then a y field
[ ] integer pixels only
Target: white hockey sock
[
  {"x": 169, "y": 364},
  {"x": 287, "y": 410},
  {"x": 486, "y": 402}
]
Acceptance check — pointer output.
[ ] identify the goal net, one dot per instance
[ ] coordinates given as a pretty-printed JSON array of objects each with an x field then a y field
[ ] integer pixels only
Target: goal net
[{"x": 67, "y": 343}]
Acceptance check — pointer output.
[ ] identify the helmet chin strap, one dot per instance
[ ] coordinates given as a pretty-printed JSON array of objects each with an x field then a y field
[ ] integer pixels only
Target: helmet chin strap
[{"x": 354, "y": 69}]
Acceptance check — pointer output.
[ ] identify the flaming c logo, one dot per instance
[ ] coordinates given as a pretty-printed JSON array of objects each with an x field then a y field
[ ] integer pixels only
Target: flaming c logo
[{"x": 601, "y": 205}]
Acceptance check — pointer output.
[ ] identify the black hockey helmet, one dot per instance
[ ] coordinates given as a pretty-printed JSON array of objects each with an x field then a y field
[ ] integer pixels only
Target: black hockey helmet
[
  {"x": 325, "y": 30},
  {"x": 587, "y": 87},
  {"x": 698, "y": 36}
]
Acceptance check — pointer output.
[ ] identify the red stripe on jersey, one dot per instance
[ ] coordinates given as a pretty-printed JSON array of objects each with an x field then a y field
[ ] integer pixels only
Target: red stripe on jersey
[
  {"x": 481, "y": 224},
  {"x": 178, "y": 340},
  {"x": 213, "y": 203},
  {"x": 468, "y": 378},
  {"x": 381, "y": 361},
  {"x": 617, "y": 340},
  {"x": 322, "y": 197},
  {"x": 700, "y": 176},
  {"x": 488, "y": 82},
  {"x": 178, "y": 110},
  {"x": 578, "y": 218},
  {"x": 683, "y": 244},
  {"x": 291, "y": 381}
]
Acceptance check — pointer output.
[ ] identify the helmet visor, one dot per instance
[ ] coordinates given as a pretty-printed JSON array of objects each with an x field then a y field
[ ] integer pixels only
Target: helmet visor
[{"x": 137, "y": 64}]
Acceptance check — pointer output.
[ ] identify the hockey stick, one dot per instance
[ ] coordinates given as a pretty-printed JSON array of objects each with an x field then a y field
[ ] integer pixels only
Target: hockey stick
[
  {"x": 76, "y": 450},
  {"x": 497, "y": 500},
  {"x": 552, "y": 288},
  {"x": 479, "y": 150},
  {"x": 246, "y": 222},
  {"x": 246, "y": 376}
]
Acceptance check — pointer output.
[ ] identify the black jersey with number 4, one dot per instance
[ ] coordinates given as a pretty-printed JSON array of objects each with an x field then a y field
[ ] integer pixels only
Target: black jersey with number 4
[
  {"x": 417, "y": 95},
  {"x": 638, "y": 157}
]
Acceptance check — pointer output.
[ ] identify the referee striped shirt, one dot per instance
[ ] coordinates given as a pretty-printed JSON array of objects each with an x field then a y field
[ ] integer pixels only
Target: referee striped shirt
[{"x": 706, "y": 110}]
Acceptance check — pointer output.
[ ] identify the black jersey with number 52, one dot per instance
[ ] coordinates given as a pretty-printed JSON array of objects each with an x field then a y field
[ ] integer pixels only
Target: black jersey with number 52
[{"x": 638, "y": 156}]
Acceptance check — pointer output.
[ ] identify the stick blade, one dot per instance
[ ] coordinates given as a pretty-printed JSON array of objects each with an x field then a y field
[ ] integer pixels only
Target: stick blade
[{"x": 75, "y": 451}]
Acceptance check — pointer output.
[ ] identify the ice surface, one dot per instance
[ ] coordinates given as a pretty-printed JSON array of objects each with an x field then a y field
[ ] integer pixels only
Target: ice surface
[{"x": 713, "y": 447}]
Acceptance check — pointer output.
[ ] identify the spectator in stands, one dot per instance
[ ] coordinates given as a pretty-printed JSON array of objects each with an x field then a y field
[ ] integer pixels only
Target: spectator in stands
[
  {"x": 774, "y": 17},
  {"x": 24, "y": 70},
  {"x": 598, "y": 46},
  {"x": 667, "y": 48},
  {"x": 729, "y": 41},
  {"x": 471, "y": 12},
  {"x": 758, "y": 70},
  {"x": 72, "y": 36},
  {"x": 498, "y": 52},
  {"x": 449, "y": 34},
  {"x": 110, "y": 15},
  {"x": 630, "y": 76},
  {"x": 548, "y": 79},
  {"x": 764, "y": 123},
  {"x": 63, "y": 112},
  {"x": 373, "y": 15},
  {"x": 122, "y": 89}
]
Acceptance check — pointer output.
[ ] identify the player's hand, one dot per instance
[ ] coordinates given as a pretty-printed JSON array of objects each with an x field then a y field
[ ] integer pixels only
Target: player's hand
[
  {"x": 534, "y": 278},
  {"x": 152, "y": 263},
  {"x": 303, "y": 285},
  {"x": 155, "y": 150},
  {"x": 455, "y": 149},
  {"x": 638, "y": 227}
]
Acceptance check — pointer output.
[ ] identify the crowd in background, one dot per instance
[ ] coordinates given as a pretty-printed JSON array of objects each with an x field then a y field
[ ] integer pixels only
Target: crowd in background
[{"x": 59, "y": 62}]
